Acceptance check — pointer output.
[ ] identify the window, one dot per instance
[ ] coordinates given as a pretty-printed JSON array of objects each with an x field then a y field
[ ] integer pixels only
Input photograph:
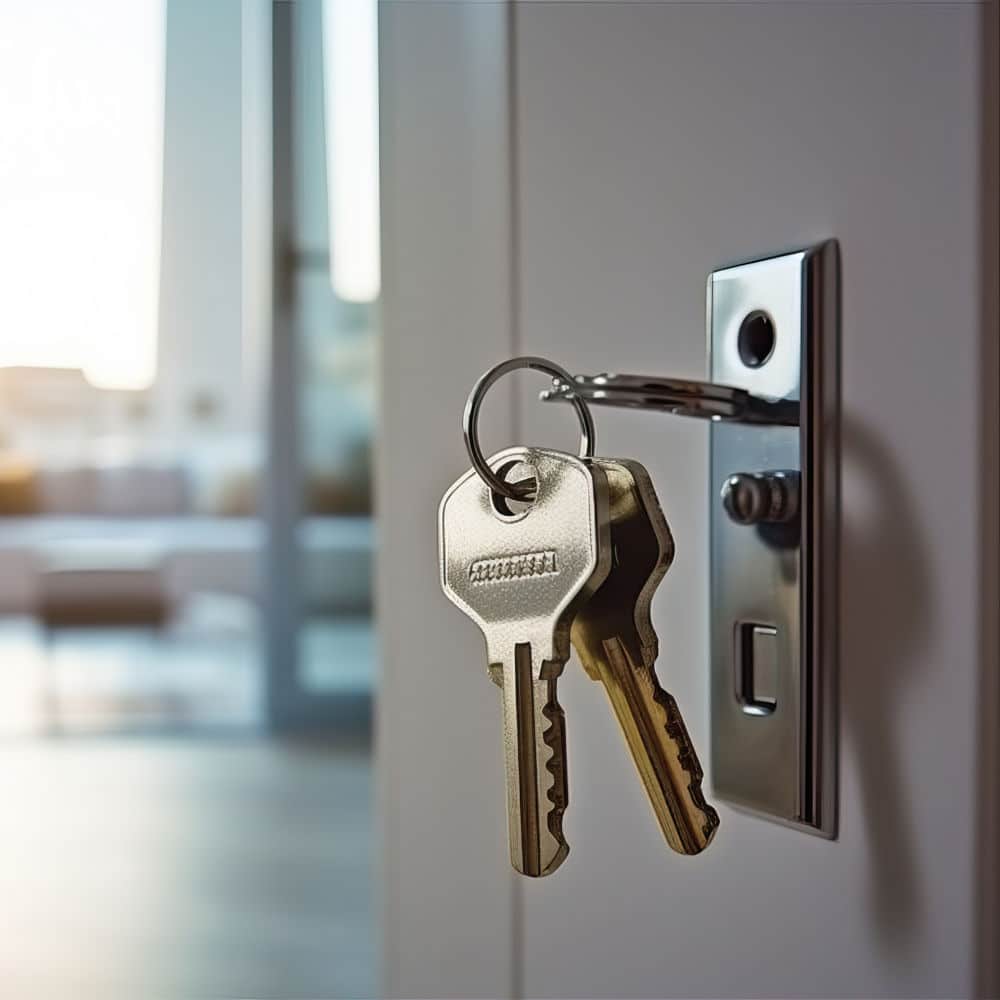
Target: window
[
  {"x": 81, "y": 115},
  {"x": 350, "y": 60}
]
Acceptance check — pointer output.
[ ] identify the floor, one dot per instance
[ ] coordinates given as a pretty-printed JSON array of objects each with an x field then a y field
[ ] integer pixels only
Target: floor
[
  {"x": 185, "y": 869},
  {"x": 201, "y": 670}
]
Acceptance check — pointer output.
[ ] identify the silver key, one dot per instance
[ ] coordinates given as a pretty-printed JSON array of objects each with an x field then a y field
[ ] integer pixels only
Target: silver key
[{"x": 521, "y": 572}]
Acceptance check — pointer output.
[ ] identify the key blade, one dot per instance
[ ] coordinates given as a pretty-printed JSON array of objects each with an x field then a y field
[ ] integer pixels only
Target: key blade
[
  {"x": 535, "y": 760},
  {"x": 661, "y": 749}
]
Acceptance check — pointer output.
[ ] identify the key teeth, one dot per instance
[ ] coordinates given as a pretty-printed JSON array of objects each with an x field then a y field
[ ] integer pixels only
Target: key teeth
[
  {"x": 554, "y": 738},
  {"x": 687, "y": 757}
]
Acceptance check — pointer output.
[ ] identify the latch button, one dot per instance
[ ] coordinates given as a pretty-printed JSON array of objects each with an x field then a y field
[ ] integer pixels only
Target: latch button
[{"x": 757, "y": 667}]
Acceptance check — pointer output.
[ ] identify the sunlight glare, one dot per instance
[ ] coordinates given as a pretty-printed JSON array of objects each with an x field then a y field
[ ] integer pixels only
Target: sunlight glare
[{"x": 81, "y": 164}]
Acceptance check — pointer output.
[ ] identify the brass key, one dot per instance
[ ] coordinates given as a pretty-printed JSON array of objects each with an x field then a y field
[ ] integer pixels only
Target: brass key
[{"x": 614, "y": 638}]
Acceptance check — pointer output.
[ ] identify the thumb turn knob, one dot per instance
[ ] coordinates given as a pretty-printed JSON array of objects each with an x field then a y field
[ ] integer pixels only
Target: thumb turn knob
[{"x": 761, "y": 497}]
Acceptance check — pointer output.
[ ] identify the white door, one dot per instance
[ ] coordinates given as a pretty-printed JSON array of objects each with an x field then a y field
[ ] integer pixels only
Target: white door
[{"x": 560, "y": 179}]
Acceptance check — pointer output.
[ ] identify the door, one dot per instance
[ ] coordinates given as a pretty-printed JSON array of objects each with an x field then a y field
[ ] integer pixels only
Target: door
[{"x": 590, "y": 164}]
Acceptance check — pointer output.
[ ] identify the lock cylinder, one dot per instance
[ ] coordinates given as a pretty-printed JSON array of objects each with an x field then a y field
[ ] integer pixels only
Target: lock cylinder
[{"x": 761, "y": 497}]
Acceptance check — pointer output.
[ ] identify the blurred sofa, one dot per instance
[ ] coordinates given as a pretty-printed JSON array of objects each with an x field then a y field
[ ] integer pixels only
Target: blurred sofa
[{"x": 153, "y": 535}]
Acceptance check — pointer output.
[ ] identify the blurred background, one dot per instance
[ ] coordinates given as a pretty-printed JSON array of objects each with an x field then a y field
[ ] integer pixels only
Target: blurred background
[{"x": 189, "y": 289}]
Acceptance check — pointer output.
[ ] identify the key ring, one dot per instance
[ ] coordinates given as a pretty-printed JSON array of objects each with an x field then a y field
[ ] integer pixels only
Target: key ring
[{"x": 525, "y": 488}]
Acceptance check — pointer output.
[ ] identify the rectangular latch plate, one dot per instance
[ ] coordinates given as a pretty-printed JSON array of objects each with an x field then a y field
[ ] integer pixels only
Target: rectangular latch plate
[{"x": 774, "y": 586}]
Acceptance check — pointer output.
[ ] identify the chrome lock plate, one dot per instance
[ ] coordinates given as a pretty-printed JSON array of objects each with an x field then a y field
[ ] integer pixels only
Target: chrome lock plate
[{"x": 773, "y": 331}]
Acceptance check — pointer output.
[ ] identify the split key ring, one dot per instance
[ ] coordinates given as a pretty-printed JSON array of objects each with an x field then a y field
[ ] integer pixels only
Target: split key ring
[{"x": 524, "y": 489}]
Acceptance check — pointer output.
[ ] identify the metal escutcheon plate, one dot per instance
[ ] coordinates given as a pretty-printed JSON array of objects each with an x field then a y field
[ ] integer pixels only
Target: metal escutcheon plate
[{"x": 773, "y": 331}]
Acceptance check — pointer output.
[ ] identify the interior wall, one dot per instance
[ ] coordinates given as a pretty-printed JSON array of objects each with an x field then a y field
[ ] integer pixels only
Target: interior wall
[{"x": 657, "y": 142}]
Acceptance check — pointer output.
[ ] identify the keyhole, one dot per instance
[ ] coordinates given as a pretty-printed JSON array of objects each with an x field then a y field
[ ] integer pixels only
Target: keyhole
[{"x": 756, "y": 338}]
